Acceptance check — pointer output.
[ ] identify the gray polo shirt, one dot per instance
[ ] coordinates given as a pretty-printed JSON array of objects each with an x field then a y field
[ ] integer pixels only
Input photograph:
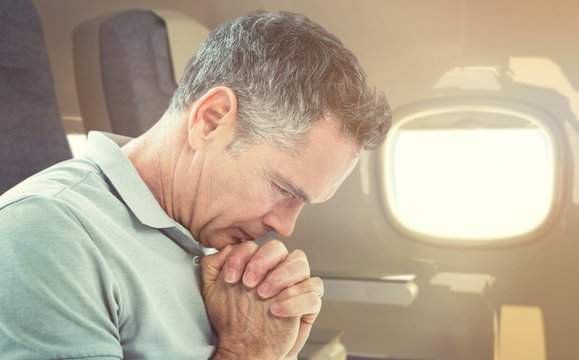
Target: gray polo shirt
[{"x": 92, "y": 267}]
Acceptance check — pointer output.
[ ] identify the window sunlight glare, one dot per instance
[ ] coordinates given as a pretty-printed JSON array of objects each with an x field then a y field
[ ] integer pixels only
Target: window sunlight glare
[{"x": 470, "y": 184}]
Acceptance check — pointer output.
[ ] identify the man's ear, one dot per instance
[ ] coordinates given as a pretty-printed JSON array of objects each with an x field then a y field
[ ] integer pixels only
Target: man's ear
[{"x": 217, "y": 109}]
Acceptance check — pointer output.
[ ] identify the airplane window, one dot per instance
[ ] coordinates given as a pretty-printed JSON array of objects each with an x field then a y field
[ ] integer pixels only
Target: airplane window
[{"x": 469, "y": 175}]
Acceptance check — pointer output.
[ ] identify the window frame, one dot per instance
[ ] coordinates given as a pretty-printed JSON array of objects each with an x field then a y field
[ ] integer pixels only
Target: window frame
[{"x": 515, "y": 108}]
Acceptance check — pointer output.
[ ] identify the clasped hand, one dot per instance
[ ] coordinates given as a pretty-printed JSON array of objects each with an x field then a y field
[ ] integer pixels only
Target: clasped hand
[{"x": 261, "y": 301}]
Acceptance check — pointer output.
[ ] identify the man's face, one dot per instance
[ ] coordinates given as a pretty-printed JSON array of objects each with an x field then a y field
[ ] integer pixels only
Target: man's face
[{"x": 263, "y": 189}]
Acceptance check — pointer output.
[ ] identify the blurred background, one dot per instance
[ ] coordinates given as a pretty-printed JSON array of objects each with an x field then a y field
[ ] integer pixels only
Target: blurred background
[{"x": 457, "y": 238}]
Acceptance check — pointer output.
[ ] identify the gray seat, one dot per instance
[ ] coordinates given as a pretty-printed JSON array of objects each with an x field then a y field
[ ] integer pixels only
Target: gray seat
[
  {"x": 32, "y": 136},
  {"x": 134, "y": 69}
]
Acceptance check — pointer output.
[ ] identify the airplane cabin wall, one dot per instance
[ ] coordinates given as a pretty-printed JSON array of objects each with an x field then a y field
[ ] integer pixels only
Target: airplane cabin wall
[{"x": 405, "y": 47}]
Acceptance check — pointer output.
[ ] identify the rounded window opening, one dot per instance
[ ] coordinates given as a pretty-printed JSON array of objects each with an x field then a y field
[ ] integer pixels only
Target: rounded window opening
[{"x": 470, "y": 174}]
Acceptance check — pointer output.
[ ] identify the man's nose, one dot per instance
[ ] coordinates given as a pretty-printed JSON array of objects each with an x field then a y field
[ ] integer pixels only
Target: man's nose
[{"x": 282, "y": 218}]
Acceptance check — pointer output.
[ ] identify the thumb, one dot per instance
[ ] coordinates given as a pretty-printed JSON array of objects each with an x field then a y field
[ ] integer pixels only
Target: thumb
[{"x": 211, "y": 266}]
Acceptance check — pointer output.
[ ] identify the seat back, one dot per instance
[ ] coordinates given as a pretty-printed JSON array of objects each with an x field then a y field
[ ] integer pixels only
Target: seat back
[
  {"x": 138, "y": 79},
  {"x": 32, "y": 136},
  {"x": 124, "y": 67}
]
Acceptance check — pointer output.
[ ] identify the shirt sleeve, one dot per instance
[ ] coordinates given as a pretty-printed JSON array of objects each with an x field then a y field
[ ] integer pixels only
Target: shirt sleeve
[{"x": 58, "y": 298}]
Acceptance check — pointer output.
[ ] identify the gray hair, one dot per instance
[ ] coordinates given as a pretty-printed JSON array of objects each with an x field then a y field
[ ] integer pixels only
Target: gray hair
[{"x": 288, "y": 74}]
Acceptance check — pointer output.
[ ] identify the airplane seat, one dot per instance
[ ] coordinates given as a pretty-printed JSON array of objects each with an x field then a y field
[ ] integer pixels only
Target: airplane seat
[
  {"x": 125, "y": 67},
  {"x": 32, "y": 136}
]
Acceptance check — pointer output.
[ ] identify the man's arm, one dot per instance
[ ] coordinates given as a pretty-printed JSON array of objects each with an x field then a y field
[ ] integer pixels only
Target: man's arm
[{"x": 54, "y": 299}]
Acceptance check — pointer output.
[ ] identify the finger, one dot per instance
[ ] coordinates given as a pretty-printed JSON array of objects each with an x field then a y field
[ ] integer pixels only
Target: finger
[
  {"x": 300, "y": 306},
  {"x": 303, "y": 334},
  {"x": 267, "y": 257},
  {"x": 211, "y": 266},
  {"x": 310, "y": 285},
  {"x": 305, "y": 304},
  {"x": 293, "y": 270},
  {"x": 237, "y": 260}
]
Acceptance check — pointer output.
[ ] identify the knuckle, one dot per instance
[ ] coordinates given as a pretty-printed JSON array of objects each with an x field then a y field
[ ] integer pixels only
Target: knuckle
[
  {"x": 315, "y": 301},
  {"x": 248, "y": 247},
  {"x": 302, "y": 266},
  {"x": 300, "y": 254},
  {"x": 234, "y": 260},
  {"x": 290, "y": 308},
  {"x": 292, "y": 291},
  {"x": 303, "y": 262},
  {"x": 276, "y": 279},
  {"x": 318, "y": 283},
  {"x": 276, "y": 245},
  {"x": 241, "y": 254},
  {"x": 268, "y": 256},
  {"x": 256, "y": 265}
]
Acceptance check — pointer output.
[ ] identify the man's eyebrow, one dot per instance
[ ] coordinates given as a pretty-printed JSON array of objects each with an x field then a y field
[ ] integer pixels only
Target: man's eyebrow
[{"x": 289, "y": 186}]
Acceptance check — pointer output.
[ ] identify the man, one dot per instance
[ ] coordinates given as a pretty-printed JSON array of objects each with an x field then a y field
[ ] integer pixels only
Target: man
[{"x": 100, "y": 255}]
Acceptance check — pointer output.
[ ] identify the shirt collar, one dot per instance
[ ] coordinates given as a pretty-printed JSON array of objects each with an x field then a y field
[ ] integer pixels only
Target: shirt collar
[{"x": 105, "y": 150}]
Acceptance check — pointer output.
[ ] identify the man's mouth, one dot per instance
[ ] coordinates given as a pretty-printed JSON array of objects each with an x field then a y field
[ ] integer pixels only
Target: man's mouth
[{"x": 245, "y": 236}]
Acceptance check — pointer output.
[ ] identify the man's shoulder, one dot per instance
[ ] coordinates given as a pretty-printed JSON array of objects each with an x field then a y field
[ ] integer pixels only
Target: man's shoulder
[
  {"x": 34, "y": 212},
  {"x": 46, "y": 187}
]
